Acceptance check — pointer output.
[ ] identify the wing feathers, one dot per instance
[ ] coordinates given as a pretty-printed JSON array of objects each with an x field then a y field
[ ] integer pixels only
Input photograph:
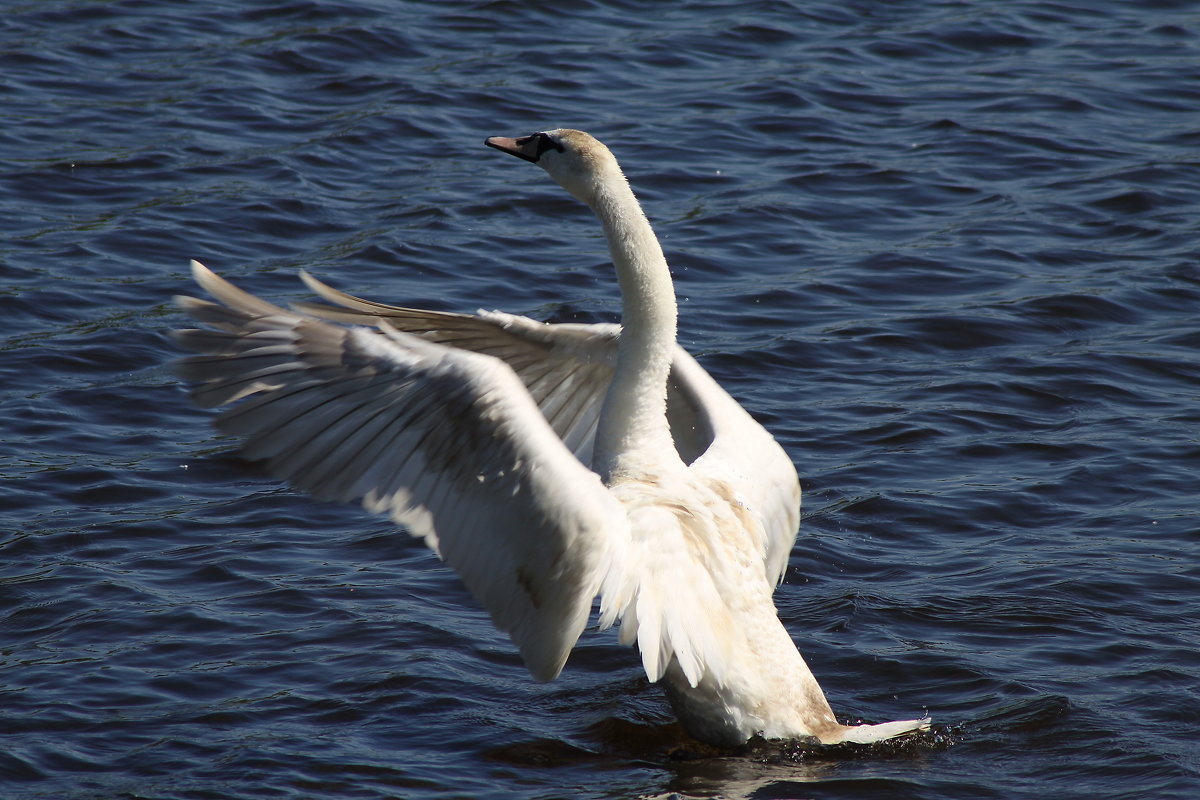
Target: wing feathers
[
  {"x": 566, "y": 369},
  {"x": 446, "y": 441}
]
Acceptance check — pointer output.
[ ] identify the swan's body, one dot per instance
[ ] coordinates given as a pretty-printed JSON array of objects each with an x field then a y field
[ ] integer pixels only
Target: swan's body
[{"x": 477, "y": 433}]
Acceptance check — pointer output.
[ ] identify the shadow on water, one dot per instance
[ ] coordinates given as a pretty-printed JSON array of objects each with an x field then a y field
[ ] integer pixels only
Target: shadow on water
[
  {"x": 694, "y": 769},
  {"x": 771, "y": 769}
]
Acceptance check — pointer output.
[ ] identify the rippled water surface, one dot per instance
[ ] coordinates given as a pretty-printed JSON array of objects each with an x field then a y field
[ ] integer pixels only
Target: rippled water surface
[{"x": 946, "y": 251}]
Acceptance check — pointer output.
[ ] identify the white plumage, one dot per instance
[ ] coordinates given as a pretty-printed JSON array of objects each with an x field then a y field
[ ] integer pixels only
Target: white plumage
[{"x": 547, "y": 464}]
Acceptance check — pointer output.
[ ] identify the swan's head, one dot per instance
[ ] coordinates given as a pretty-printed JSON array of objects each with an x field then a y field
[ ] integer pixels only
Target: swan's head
[{"x": 577, "y": 160}]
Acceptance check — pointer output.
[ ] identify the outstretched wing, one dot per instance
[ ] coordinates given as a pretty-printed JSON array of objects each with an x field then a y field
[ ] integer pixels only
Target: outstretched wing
[
  {"x": 746, "y": 460},
  {"x": 447, "y": 441}
]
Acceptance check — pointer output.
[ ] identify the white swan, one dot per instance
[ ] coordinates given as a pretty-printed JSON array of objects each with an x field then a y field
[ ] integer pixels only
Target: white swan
[{"x": 477, "y": 433}]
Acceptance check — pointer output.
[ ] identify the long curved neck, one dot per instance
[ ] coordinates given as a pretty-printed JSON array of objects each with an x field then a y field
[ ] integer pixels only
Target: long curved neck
[{"x": 633, "y": 420}]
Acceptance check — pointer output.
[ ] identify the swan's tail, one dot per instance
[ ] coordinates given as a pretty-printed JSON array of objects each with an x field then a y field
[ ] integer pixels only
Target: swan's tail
[{"x": 869, "y": 734}]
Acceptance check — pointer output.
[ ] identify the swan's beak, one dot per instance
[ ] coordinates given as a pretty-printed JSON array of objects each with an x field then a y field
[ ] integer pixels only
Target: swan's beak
[{"x": 526, "y": 147}]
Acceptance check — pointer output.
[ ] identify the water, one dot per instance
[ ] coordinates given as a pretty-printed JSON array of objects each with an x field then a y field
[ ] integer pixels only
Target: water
[{"x": 945, "y": 251}]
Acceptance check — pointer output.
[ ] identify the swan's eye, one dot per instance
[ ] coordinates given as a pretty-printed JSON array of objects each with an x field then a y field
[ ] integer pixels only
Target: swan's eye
[{"x": 542, "y": 143}]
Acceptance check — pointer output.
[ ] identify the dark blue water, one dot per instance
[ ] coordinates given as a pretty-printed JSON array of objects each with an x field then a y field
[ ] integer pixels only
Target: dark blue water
[{"x": 946, "y": 251}]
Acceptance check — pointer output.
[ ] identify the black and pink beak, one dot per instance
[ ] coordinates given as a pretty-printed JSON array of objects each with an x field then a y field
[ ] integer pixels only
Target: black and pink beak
[{"x": 529, "y": 147}]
